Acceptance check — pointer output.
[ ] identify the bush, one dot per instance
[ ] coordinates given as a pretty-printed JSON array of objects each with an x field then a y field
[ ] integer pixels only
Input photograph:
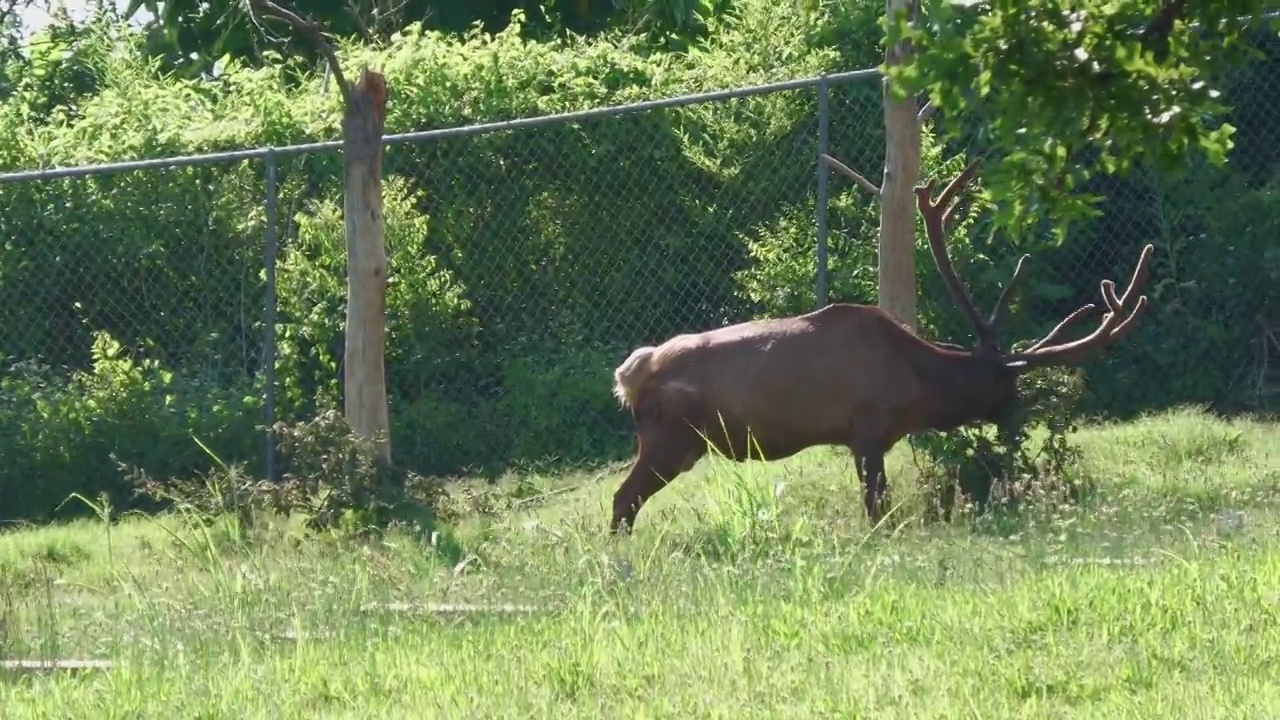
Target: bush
[
  {"x": 62, "y": 434},
  {"x": 1008, "y": 458},
  {"x": 432, "y": 331},
  {"x": 334, "y": 482}
]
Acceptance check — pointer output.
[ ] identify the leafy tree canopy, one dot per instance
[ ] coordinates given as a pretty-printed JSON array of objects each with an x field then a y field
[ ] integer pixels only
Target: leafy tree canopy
[
  {"x": 192, "y": 34},
  {"x": 1064, "y": 88}
]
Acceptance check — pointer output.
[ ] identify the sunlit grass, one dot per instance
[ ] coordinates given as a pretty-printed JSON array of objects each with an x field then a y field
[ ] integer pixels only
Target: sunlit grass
[{"x": 747, "y": 591}]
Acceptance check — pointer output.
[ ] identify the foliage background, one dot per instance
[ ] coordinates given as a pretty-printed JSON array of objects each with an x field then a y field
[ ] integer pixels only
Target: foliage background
[{"x": 525, "y": 264}]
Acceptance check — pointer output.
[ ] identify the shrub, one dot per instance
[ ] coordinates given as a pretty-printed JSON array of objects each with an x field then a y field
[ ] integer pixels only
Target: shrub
[
  {"x": 63, "y": 434},
  {"x": 333, "y": 482},
  {"x": 431, "y": 326},
  {"x": 1008, "y": 457}
]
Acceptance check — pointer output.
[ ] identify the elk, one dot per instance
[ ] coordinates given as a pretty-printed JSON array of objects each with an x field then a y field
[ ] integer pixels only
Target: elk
[{"x": 844, "y": 375}]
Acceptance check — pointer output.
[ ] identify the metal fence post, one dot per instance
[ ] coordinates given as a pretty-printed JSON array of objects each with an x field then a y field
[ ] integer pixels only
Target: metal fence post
[
  {"x": 824, "y": 138},
  {"x": 269, "y": 317}
]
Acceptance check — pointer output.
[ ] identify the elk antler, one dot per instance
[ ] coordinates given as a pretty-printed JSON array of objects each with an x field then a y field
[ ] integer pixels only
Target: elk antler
[
  {"x": 937, "y": 216},
  {"x": 1121, "y": 318}
]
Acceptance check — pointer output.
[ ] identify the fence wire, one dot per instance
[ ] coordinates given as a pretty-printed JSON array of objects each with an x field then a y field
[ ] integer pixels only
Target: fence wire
[
  {"x": 167, "y": 260},
  {"x": 526, "y": 263}
]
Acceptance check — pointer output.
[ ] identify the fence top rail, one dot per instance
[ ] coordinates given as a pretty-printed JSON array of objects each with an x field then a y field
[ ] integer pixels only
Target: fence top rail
[{"x": 439, "y": 133}]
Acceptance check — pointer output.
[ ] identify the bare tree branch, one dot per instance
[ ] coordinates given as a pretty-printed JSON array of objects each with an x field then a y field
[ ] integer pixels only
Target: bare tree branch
[
  {"x": 849, "y": 172},
  {"x": 1155, "y": 36},
  {"x": 361, "y": 26},
  {"x": 312, "y": 32},
  {"x": 384, "y": 19},
  {"x": 7, "y": 9},
  {"x": 385, "y": 16},
  {"x": 926, "y": 112}
]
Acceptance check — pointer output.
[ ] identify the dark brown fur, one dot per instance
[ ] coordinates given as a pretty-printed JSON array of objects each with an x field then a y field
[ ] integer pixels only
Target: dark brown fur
[{"x": 844, "y": 375}]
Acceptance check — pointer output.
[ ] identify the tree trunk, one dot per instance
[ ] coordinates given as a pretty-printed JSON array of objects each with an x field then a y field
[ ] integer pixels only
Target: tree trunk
[
  {"x": 897, "y": 265},
  {"x": 364, "y": 370}
]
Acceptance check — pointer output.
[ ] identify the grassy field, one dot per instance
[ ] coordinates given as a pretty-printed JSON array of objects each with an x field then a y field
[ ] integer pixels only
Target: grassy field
[{"x": 747, "y": 591}]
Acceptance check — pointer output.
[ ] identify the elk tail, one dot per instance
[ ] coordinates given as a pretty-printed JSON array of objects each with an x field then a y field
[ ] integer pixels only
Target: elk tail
[{"x": 630, "y": 376}]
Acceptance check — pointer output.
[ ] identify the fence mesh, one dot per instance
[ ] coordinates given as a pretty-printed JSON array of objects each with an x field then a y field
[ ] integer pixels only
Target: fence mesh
[
  {"x": 131, "y": 309},
  {"x": 168, "y": 259},
  {"x": 525, "y": 265},
  {"x": 548, "y": 253}
]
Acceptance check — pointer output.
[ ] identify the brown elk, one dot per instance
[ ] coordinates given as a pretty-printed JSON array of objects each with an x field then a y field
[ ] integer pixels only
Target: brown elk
[{"x": 843, "y": 375}]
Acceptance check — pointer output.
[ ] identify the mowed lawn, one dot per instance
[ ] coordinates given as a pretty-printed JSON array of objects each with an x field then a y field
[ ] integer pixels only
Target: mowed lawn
[{"x": 747, "y": 591}]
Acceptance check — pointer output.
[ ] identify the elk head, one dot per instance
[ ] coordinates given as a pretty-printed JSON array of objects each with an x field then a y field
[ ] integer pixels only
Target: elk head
[{"x": 1004, "y": 366}]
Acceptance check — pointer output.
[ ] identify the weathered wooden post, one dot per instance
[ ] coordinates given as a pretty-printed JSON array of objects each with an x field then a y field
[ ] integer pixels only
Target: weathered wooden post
[{"x": 363, "y": 120}]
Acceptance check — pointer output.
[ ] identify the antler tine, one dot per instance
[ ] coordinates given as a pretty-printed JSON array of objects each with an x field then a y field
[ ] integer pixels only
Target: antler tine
[
  {"x": 935, "y": 214},
  {"x": 1002, "y": 303},
  {"x": 1057, "y": 329},
  {"x": 1115, "y": 324},
  {"x": 1140, "y": 273}
]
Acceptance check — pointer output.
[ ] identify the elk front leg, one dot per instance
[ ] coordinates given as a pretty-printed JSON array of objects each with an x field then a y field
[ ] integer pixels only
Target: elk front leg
[{"x": 874, "y": 486}]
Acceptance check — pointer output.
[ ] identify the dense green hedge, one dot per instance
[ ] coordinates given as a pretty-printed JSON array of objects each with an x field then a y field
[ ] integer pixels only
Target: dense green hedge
[{"x": 524, "y": 264}]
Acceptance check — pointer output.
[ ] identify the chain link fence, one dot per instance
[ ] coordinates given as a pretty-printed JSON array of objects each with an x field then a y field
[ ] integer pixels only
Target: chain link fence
[
  {"x": 527, "y": 260},
  {"x": 144, "y": 304},
  {"x": 168, "y": 259},
  {"x": 130, "y": 321}
]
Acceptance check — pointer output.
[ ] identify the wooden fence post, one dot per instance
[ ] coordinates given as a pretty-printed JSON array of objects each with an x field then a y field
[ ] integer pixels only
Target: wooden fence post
[
  {"x": 364, "y": 366},
  {"x": 364, "y": 113}
]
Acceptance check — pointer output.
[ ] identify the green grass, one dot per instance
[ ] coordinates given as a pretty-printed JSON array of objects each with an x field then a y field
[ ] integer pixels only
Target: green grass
[{"x": 747, "y": 591}]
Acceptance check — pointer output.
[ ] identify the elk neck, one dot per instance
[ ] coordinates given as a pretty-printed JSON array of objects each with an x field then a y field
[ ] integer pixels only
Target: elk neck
[{"x": 961, "y": 387}]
